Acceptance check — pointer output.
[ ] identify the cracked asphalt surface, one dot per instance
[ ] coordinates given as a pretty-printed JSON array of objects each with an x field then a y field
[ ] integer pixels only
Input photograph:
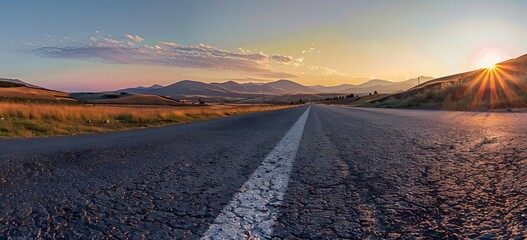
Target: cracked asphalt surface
[{"x": 359, "y": 173}]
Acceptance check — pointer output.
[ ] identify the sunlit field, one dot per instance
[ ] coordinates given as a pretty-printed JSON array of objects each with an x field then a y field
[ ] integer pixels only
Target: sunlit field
[{"x": 48, "y": 119}]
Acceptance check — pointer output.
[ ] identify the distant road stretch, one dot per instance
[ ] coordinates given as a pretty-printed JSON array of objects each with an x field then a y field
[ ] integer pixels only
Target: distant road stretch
[{"x": 308, "y": 172}]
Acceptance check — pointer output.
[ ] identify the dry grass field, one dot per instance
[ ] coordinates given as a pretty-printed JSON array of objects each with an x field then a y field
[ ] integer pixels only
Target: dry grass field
[{"x": 51, "y": 119}]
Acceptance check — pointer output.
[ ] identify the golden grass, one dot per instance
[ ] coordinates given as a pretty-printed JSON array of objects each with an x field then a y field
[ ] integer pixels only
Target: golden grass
[
  {"x": 48, "y": 119},
  {"x": 33, "y": 93}
]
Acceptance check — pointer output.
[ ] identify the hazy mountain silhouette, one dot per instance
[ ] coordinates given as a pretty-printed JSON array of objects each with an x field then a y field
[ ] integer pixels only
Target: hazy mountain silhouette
[
  {"x": 141, "y": 89},
  {"x": 189, "y": 87},
  {"x": 288, "y": 86},
  {"x": 234, "y": 91},
  {"x": 379, "y": 85},
  {"x": 230, "y": 89},
  {"x": 332, "y": 89}
]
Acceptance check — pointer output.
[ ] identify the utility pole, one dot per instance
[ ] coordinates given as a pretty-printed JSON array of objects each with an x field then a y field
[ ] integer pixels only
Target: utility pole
[{"x": 418, "y": 80}]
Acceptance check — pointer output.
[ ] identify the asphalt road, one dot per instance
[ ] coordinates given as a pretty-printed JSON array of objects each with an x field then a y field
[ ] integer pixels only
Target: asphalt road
[{"x": 308, "y": 172}]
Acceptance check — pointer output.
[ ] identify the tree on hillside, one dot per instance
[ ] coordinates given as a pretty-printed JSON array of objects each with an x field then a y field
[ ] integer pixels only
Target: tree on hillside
[{"x": 375, "y": 92}]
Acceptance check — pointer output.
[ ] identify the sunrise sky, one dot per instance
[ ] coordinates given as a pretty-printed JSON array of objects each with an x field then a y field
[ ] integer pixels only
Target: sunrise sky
[{"x": 105, "y": 45}]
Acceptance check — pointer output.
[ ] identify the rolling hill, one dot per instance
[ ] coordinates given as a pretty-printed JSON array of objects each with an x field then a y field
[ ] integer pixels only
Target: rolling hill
[
  {"x": 229, "y": 91},
  {"x": 288, "y": 86},
  {"x": 190, "y": 88},
  {"x": 140, "y": 89},
  {"x": 233, "y": 86},
  {"x": 230, "y": 88},
  {"x": 19, "y": 90},
  {"x": 354, "y": 101},
  {"x": 333, "y": 89},
  {"x": 124, "y": 98},
  {"x": 379, "y": 85},
  {"x": 16, "y": 81},
  {"x": 261, "y": 88},
  {"x": 280, "y": 90},
  {"x": 504, "y": 86}
]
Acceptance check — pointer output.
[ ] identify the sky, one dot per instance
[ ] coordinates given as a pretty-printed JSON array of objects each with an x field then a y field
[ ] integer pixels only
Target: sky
[{"x": 111, "y": 44}]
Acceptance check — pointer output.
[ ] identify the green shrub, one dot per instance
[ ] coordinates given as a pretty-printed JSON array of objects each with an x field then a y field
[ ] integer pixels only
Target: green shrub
[
  {"x": 32, "y": 127},
  {"x": 125, "y": 118}
]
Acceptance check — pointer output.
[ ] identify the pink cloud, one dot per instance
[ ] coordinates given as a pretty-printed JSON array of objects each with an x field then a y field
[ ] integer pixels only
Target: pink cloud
[
  {"x": 201, "y": 56},
  {"x": 136, "y": 38}
]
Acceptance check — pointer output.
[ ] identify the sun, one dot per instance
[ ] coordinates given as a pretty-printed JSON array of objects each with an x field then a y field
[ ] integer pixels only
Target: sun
[{"x": 488, "y": 58}]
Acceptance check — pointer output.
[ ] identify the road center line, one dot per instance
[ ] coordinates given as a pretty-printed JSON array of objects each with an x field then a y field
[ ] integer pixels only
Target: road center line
[{"x": 252, "y": 211}]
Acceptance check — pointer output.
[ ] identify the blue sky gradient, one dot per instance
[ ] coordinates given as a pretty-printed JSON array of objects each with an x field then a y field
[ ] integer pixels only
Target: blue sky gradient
[{"x": 328, "y": 42}]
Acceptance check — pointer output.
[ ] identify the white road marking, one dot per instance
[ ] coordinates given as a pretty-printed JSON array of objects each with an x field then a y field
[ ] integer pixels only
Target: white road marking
[{"x": 252, "y": 211}]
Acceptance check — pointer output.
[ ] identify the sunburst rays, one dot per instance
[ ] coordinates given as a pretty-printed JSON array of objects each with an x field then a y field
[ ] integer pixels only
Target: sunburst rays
[{"x": 494, "y": 87}]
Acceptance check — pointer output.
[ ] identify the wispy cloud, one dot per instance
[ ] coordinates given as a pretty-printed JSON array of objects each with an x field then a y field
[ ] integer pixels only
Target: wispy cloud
[
  {"x": 136, "y": 38},
  {"x": 312, "y": 49},
  {"x": 111, "y": 41},
  {"x": 200, "y": 56},
  {"x": 326, "y": 71}
]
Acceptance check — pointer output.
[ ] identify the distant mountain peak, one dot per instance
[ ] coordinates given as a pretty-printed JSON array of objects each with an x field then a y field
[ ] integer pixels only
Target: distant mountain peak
[
  {"x": 230, "y": 82},
  {"x": 290, "y": 86},
  {"x": 286, "y": 81},
  {"x": 141, "y": 89},
  {"x": 188, "y": 81}
]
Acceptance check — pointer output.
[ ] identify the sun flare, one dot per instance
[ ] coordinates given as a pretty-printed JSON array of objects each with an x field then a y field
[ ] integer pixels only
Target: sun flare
[
  {"x": 489, "y": 61},
  {"x": 494, "y": 86},
  {"x": 488, "y": 58}
]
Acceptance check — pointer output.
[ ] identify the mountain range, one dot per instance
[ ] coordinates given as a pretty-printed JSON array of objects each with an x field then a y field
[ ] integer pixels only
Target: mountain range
[
  {"x": 232, "y": 90},
  {"x": 141, "y": 89},
  {"x": 379, "y": 85}
]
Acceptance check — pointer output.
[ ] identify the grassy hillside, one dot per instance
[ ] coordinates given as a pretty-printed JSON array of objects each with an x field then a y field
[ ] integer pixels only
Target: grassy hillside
[
  {"x": 22, "y": 93},
  {"x": 125, "y": 98},
  {"x": 9, "y": 84},
  {"x": 355, "y": 101},
  {"x": 501, "y": 87}
]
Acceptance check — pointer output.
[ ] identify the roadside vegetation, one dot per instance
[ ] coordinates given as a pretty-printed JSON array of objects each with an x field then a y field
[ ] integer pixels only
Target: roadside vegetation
[
  {"x": 468, "y": 95},
  {"x": 35, "y": 119},
  {"x": 354, "y": 100},
  {"x": 502, "y": 87}
]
